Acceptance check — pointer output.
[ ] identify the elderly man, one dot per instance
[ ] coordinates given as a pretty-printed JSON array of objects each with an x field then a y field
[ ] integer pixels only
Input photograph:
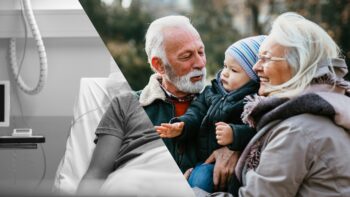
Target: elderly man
[{"x": 176, "y": 54}]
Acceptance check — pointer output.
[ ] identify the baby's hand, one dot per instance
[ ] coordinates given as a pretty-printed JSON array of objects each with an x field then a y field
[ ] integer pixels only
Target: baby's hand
[
  {"x": 223, "y": 133},
  {"x": 166, "y": 130}
]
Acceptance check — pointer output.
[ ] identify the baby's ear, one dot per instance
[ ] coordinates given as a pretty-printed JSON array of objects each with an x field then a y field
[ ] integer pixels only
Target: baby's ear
[{"x": 158, "y": 65}]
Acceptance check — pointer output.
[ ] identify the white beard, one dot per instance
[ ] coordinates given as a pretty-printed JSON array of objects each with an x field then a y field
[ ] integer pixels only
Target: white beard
[{"x": 184, "y": 83}]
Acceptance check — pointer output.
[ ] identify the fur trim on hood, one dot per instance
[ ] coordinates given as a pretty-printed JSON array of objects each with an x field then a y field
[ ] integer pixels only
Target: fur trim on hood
[
  {"x": 259, "y": 111},
  {"x": 152, "y": 91},
  {"x": 325, "y": 76}
]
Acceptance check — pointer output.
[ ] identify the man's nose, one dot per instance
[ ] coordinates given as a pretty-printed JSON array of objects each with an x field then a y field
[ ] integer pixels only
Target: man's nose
[{"x": 200, "y": 62}]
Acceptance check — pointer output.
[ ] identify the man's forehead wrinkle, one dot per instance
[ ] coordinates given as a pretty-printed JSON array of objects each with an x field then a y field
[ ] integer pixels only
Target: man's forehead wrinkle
[{"x": 182, "y": 40}]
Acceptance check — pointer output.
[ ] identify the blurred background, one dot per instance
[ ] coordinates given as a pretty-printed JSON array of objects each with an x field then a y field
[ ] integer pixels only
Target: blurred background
[{"x": 122, "y": 25}]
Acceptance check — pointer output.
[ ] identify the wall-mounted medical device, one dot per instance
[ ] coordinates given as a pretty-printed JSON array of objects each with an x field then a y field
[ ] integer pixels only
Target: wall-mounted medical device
[
  {"x": 4, "y": 103},
  {"x": 28, "y": 17}
]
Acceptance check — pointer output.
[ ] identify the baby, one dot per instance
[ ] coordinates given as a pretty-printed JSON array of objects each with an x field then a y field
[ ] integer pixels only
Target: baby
[{"x": 213, "y": 119}]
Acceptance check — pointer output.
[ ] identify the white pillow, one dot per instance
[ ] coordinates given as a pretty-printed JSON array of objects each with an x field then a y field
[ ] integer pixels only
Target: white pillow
[{"x": 94, "y": 97}]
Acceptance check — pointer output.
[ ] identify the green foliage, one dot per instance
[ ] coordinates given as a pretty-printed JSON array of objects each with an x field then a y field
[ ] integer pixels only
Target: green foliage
[
  {"x": 217, "y": 33},
  {"x": 333, "y": 16},
  {"x": 133, "y": 63},
  {"x": 123, "y": 29},
  {"x": 96, "y": 11}
]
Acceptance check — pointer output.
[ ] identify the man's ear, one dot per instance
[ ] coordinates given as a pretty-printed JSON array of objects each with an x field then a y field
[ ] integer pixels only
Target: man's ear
[{"x": 158, "y": 65}]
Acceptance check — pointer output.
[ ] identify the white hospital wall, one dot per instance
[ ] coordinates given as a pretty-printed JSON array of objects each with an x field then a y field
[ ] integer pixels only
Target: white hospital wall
[{"x": 74, "y": 50}]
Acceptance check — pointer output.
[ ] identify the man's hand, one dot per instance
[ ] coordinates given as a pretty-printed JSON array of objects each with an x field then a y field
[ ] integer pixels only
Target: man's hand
[
  {"x": 224, "y": 134},
  {"x": 166, "y": 130},
  {"x": 225, "y": 162}
]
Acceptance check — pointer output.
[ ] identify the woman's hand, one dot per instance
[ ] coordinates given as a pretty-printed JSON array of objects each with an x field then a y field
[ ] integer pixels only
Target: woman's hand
[
  {"x": 166, "y": 130},
  {"x": 225, "y": 162},
  {"x": 224, "y": 133}
]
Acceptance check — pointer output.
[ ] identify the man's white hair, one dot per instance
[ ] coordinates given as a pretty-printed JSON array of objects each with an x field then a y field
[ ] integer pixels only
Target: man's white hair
[
  {"x": 155, "y": 35},
  {"x": 307, "y": 44}
]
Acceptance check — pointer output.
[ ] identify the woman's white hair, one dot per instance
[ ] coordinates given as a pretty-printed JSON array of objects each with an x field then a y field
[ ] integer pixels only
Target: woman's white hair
[
  {"x": 155, "y": 35},
  {"x": 307, "y": 45}
]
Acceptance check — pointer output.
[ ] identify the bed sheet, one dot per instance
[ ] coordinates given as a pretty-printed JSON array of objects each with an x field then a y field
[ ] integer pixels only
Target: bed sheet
[
  {"x": 154, "y": 173},
  {"x": 95, "y": 95}
]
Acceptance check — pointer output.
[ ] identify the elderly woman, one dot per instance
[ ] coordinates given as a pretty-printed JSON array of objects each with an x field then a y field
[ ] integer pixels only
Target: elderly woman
[{"x": 302, "y": 115}]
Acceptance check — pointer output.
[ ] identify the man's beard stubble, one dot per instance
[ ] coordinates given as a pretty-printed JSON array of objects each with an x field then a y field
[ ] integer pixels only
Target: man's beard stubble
[{"x": 184, "y": 83}]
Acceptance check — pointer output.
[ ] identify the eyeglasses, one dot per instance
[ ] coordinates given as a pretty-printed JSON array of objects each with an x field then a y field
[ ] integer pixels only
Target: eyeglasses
[{"x": 266, "y": 58}]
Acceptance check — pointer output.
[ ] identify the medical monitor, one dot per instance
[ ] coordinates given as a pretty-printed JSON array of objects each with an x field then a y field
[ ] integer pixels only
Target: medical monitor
[{"x": 4, "y": 103}]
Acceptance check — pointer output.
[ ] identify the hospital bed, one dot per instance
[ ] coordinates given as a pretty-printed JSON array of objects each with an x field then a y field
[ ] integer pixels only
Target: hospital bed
[{"x": 94, "y": 97}]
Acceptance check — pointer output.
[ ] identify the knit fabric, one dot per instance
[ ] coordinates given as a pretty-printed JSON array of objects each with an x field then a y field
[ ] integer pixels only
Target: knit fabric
[
  {"x": 181, "y": 107},
  {"x": 245, "y": 52}
]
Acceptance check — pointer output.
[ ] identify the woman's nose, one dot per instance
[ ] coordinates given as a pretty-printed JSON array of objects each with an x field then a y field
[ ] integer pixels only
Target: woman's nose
[{"x": 258, "y": 66}]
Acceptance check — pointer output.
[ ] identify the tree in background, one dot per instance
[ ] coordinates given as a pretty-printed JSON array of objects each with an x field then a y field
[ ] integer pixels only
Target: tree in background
[
  {"x": 333, "y": 16},
  {"x": 219, "y": 22},
  {"x": 214, "y": 23},
  {"x": 123, "y": 30}
]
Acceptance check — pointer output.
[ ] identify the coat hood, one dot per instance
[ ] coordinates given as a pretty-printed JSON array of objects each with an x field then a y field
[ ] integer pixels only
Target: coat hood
[{"x": 260, "y": 110}]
